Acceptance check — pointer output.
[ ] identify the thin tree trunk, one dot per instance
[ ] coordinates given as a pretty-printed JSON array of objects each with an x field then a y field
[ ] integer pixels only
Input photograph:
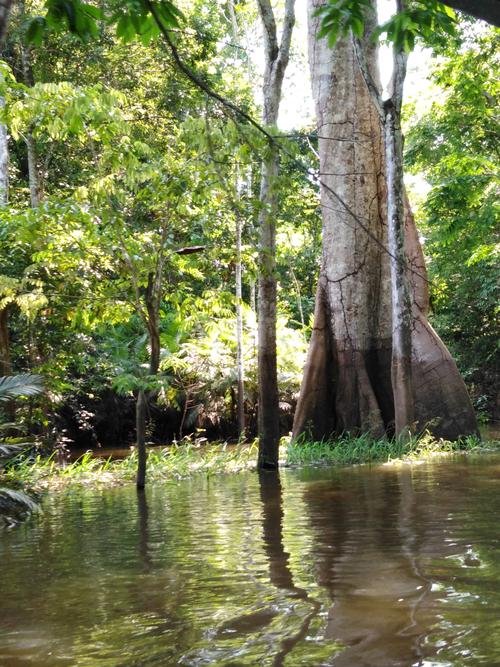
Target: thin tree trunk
[
  {"x": 5, "y": 6},
  {"x": 402, "y": 316},
  {"x": 152, "y": 316},
  {"x": 154, "y": 341},
  {"x": 239, "y": 335},
  {"x": 276, "y": 55},
  {"x": 4, "y": 163},
  {"x": 140, "y": 425},
  {"x": 5, "y": 363},
  {"x": 33, "y": 170},
  {"x": 5, "y": 360},
  {"x": 234, "y": 21},
  {"x": 4, "y": 160},
  {"x": 33, "y": 173},
  {"x": 269, "y": 432},
  {"x": 299, "y": 299},
  {"x": 401, "y": 372}
]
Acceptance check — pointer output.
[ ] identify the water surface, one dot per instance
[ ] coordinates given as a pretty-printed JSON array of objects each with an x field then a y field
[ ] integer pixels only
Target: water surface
[{"x": 354, "y": 567}]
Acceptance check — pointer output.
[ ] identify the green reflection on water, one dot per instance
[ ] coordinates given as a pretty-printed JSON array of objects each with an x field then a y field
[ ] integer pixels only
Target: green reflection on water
[{"x": 354, "y": 566}]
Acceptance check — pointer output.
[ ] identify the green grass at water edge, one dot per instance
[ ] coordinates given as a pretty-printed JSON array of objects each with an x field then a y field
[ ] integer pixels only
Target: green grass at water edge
[
  {"x": 174, "y": 462},
  {"x": 348, "y": 450},
  {"x": 184, "y": 459}
]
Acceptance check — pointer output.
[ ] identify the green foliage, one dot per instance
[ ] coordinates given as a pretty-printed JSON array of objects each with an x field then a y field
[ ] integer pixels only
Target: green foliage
[
  {"x": 429, "y": 22},
  {"x": 348, "y": 450},
  {"x": 421, "y": 20},
  {"x": 204, "y": 364},
  {"x": 135, "y": 164},
  {"x": 131, "y": 18},
  {"x": 340, "y": 17},
  {"x": 455, "y": 146},
  {"x": 78, "y": 17},
  {"x": 15, "y": 504}
]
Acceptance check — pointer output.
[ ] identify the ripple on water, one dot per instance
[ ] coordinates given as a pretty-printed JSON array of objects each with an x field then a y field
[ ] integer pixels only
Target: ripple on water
[{"x": 345, "y": 567}]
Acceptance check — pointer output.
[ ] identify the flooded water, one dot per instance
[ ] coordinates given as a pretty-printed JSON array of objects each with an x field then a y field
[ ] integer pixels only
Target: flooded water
[{"x": 355, "y": 567}]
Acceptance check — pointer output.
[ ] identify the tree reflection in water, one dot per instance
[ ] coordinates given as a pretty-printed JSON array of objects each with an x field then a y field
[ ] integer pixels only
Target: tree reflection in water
[
  {"x": 280, "y": 575},
  {"x": 143, "y": 516},
  {"x": 366, "y": 549},
  {"x": 318, "y": 567}
]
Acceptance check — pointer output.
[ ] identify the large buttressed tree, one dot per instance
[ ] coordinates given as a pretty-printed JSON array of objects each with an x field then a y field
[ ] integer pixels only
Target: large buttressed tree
[{"x": 347, "y": 379}]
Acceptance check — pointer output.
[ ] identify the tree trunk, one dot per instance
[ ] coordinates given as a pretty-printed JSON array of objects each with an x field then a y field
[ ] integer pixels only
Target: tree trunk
[
  {"x": 4, "y": 17},
  {"x": 33, "y": 170},
  {"x": 347, "y": 383},
  {"x": 152, "y": 299},
  {"x": 240, "y": 399},
  {"x": 401, "y": 368},
  {"x": 266, "y": 346},
  {"x": 154, "y": 343},
  {"x": 4, "y": 160},
  {"x": 140, "y": 424},
  {"x": 401, "y": 375},
  {"x": 276, "y": 55},
  {"x": 5, "y": 361},
  {"x": 33, "y": 173}
]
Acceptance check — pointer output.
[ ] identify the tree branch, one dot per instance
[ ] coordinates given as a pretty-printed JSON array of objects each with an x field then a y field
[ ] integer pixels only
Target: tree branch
[
  {"x": 270, "y": 32},
  {"x": 286, "y": 36},
  {"x": 487, "y": 10},
  {"x": 187, "y": 71}
]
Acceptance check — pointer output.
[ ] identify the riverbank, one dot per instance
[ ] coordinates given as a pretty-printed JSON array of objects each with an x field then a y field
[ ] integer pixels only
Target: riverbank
[{"x": 188, "y": 458}]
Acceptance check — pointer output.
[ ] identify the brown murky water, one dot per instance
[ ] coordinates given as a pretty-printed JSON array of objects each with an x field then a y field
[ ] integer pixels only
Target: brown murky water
[{"x": 353, "y": 567}]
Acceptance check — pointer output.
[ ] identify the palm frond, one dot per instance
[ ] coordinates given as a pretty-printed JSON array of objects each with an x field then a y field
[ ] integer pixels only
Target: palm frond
[
  {"x": 10, "y": 426},
  {"x": 25, "y": 384}
]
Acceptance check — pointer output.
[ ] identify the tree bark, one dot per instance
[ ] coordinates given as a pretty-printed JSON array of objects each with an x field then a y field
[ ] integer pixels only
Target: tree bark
[
  {"x": 401, "y": 373},
  {"x": 33, "y": 170},
  {"x": 4, "y": 163},
  {"x": 5, "y": 360},
  {"x": 401, "y": 370},
  {"x": 153, "y": 301},
  {"x": 347, "y": 383},
  {"x": 276, "y": 60},
  {"x": 4, "y": 160},
  {"x": 5, "y": 6},
  {"x": 240, "y": 395},
  {"x": 268, "y": 401},
  {"x": 33, "y": 173}
]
